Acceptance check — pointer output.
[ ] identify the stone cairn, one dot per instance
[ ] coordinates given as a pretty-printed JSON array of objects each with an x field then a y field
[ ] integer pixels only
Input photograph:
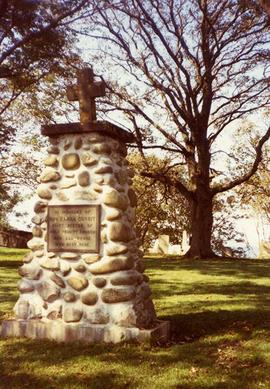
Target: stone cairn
[{"x": 88, "y": 296}]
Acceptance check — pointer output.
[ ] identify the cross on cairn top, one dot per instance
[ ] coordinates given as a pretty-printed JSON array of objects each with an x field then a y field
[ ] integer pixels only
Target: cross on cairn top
[{"x": 85, "y": 92}]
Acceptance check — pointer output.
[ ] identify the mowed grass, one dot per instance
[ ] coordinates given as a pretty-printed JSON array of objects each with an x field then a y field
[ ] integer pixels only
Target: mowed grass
[{"x": 220, "y": 316}]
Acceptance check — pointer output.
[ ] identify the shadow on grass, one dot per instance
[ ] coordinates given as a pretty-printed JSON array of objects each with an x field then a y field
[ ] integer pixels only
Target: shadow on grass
[
  {"x": 195, "y": 325},
  {"x": 240, "y": 268},
  {"x": 249, "y": 292},
  {"x": 123, "y": 366},
  {"x": 76, "y": 380},
  {"x": 9, "y": 264}
]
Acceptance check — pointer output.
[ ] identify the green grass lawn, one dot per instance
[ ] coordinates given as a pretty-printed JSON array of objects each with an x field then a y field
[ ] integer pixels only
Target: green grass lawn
[{"x": 220, "y": 317}]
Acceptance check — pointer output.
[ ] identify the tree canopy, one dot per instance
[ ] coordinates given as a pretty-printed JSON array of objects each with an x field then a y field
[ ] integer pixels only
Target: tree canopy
[
  {"x": 37, "y": 53},
  {"x": 183, "y": 72}
]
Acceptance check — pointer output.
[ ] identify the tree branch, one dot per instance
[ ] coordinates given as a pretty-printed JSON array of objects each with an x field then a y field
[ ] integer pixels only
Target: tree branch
[{"x": 249, "y": 174}]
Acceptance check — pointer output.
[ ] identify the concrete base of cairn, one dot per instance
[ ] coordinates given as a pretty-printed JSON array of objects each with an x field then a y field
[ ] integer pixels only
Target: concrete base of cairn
[{"x": 86, "y": 333}]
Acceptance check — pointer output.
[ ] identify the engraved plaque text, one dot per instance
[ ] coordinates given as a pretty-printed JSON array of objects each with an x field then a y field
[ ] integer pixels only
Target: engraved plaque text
[{"x": 73, "y": 228}]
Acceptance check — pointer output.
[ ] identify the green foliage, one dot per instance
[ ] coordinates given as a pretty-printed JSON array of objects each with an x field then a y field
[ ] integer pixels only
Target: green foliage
[
  {"x": 36, "y": 56},
  {"x": 160, "y": 208},
  {"x": 35, "y": 48}
]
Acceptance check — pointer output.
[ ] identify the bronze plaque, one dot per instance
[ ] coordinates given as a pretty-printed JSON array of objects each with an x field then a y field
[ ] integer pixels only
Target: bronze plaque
[{"x": 74, "y": 228}]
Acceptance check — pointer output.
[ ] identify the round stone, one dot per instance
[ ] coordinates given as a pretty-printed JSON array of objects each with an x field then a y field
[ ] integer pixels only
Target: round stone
[
  {"x": 48, "y": 291},
  {"x": 72, "y": 314},
  {"x": 54, "y": 141},
  {"x": 115, "y": 199},
  {"x": 58, "y": 280},
  {"x": 67, "y": 144},
  {"x": 69, "y": 256},
  {"x": 84, "y": 178},
  {"x": 28, "y": 257},
  {"x": 53, "y": 315},
  {"x": 97, "y": 315},
  {"x": 53, "y": 150},
  {"x": 109, "y": 180},
  {"x": 125, "y": 279},
  {"x": 95, "y": 138},
  {"x": 126, "y": 316},
  {"x": 35, "y": 244},
  {"x": 104, "y": 169},
  {"x": 110, "y": 264},
  {"x": 44, "y": 192},
  {"x": 119, "y": 188},
  {"x": 37, "y": 232},
  {"x": 102, "y": 148},
  {"x": 97, "y": 188},
  {"x": 103, "y": 236},
  {"x": 140, "y": 266},
  {"x": 37, "y": 219},
  {"x": 22, "y": 309},
  {"x": 50, "y": 174},
  {"x": 77, "y": 283},
  {"x": 40, "y": 206},
  {"x": 132, "y": 197},
  {"x": 119, "y": 232},
  {"x": 99, "y": 282},
  {"x": 144, "y": 291},
  {"x": 51, "y": 264},
  {"x": 115, "y": 249},
  {"x": 25, "y": 286},
  {"x": 70, "y": 175},
  {"x": 69, "y": 297},
  {"x": 99, "y": 180},
  {"x": 90, "y": 258},
  {"x": 29, "y": 271},
  {"x": 106, "y": 160},
  {"x": 88, "y": 159},
  {"x": 39, "y": 253},
  {"x": 61, "y": 195},
  {"x": 113, "y": 214},
  {"x": 78, "y": 143},
  {"x": 112, "y": 295},
  {"x": 51, "y": 160},
  {"x": 68, "y": 183},
  {"x": 65, "y": 268},
  {"x": 89, "y": 298},
  {"x": 70, "y": 161},
  {"x": 80, "y": 268}
]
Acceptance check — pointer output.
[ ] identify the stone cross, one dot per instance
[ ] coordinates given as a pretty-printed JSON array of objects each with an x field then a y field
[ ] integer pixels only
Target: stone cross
[{"x": 85, "y": 92}]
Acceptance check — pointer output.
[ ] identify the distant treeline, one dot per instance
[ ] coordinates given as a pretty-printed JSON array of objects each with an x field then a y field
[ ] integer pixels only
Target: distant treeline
[{"x": 14, "y": 238}]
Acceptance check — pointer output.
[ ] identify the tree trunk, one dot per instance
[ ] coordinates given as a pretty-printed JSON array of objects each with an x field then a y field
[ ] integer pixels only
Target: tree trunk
[{"x": 201, "y": 226}]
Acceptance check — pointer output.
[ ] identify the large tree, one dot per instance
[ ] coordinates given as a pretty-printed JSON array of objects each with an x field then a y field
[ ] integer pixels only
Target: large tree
[
  {"x": 36, "y": 56},
  {"x": 183, "y": 72}
]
